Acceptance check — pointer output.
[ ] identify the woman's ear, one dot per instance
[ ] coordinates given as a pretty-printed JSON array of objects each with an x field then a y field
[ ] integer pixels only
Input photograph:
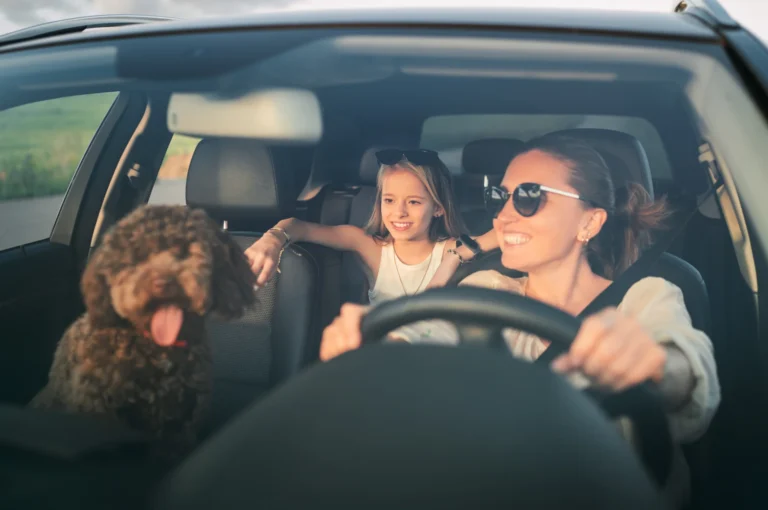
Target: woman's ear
[{"x": 595, "y": 220}]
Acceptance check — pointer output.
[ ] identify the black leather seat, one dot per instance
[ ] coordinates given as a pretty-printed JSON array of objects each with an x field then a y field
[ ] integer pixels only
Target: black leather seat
[
  {"x": 236, "y": 181},
  {"x": 628, "y": 162}
]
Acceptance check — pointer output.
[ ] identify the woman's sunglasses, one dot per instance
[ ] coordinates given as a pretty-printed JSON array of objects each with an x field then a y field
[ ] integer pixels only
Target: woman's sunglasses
[
  {"x": 526, "y": 198},
  {"x": 416, "y": 156}
]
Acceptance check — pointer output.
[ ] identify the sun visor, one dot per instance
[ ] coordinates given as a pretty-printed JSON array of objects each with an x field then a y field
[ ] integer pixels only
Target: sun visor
[{"x": 279, "y": 115}]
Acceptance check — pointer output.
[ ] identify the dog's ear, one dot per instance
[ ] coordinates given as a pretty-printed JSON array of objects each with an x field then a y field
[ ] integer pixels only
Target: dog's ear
[
  {"x": 95, "y": 290},
  {"x": 233, "y": 282}
]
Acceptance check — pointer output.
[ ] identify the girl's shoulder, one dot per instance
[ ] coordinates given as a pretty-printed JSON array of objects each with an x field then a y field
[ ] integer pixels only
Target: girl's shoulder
[{"x": 494, "y": 280}]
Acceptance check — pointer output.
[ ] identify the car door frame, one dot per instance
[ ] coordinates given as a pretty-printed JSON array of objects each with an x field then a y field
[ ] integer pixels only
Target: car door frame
[{"x": 40, "y": 293}]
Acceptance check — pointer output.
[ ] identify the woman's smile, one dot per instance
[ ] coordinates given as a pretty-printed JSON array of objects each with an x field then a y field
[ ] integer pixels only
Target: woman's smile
[{"x": 515, "y": 238}]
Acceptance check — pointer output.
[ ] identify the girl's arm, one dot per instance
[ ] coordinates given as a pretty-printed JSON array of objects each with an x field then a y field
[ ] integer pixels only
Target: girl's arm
[
  {"x": 264, "y": 254},
  {"x": 453, "y": 257},
  {"x": 337, "y": 237}
]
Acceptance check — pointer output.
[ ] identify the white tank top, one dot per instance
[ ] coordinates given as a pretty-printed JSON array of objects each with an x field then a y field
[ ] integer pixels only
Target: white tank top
[{"x": 396, "y": 278}]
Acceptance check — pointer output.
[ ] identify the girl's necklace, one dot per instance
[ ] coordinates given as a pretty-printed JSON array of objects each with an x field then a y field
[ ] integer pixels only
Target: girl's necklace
[{"x": 394, "y": 259}]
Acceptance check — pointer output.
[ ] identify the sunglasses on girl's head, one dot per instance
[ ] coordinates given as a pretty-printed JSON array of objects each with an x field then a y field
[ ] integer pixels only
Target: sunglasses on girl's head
[
  {"x": 415, "y": 156},
  {"x": 526, "y": 198}
]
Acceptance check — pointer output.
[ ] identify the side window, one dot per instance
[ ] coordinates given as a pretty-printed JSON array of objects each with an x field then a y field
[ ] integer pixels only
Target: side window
[
  {"x": 41, "y": 145},
  {"x": 170, "y": 186}
]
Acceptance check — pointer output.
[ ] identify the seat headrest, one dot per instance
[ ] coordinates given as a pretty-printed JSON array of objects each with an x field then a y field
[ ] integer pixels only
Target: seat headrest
[
  {"x": 369, "y": 165},
  {"x": 622, "y": 152},
  {"x": 236, "y": 179},
  {"x": 368, "y": 168},
  {"x": 490, "y": 156}
]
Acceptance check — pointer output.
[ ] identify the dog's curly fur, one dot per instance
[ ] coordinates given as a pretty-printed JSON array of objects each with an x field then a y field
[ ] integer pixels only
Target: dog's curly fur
[{"x": 104, "y": 364}]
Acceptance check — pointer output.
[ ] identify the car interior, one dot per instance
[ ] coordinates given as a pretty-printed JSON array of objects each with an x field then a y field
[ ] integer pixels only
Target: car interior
[{"x": 475, "y": 96}]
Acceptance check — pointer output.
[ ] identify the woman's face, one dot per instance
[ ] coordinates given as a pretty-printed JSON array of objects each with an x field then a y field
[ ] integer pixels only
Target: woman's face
[
  {"x": 407, "y": 208},
  {"x": 551, "y": 235}
]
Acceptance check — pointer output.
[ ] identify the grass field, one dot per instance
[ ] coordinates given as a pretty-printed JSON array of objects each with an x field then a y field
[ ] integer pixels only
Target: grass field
[{"x": 41, "y": 144}]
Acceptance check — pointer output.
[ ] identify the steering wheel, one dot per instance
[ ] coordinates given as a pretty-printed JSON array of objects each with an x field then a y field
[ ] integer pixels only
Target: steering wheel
[{"x": 481, "y": 314}]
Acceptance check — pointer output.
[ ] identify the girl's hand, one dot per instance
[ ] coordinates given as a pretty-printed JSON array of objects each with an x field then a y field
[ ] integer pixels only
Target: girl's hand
[
  {"x": 451, "y": 261},
  {"x": 343, "y": 334},
  {"x": 615, "y": 351},
  {"x": 263, "y": 256}
]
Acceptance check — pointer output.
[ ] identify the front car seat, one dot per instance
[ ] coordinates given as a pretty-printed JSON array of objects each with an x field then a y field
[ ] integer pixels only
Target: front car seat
[{"x": 238, "y": 182}]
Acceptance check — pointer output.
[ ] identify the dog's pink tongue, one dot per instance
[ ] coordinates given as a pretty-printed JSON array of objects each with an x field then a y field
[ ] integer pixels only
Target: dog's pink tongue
[{"x": 166, "y": 324}]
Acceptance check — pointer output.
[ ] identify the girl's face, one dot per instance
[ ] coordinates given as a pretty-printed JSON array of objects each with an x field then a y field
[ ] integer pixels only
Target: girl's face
[
  {"x": 552, "y": 235},
  {"x": 407, "y": 208}
]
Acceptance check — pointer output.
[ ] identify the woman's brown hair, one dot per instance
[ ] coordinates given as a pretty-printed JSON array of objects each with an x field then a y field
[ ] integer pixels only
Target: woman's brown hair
[
  {"x": 436, "y": 178},
  {"x": 633, "y": 215}
]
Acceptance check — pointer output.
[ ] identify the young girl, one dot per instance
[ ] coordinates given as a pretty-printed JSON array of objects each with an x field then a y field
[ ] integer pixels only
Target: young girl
[{"x": 413, "y": 226}]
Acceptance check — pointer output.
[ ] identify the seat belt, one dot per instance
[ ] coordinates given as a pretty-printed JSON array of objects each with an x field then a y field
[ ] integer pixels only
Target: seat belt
[{"x": 616, "y": 291}]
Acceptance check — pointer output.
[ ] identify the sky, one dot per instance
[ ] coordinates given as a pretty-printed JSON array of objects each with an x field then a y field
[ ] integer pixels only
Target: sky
[{"x": 15, "y": 14}]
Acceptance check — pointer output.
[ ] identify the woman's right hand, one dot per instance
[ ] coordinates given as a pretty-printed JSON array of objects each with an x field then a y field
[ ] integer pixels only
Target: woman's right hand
[
  {"x": 263, "y": 256},
  {"x": 343, "y": 334}
]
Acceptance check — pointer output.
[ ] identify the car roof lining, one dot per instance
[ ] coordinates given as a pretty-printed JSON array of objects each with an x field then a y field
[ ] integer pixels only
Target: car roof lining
[{"x": 648, "y": 25}]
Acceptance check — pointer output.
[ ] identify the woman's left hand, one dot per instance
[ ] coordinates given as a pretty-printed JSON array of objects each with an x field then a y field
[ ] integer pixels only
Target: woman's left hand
[{"x": 615, "y": 351}]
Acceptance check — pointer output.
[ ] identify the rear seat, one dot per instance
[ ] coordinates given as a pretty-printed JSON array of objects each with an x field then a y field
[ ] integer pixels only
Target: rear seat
[{"x": 236, "y": 182}]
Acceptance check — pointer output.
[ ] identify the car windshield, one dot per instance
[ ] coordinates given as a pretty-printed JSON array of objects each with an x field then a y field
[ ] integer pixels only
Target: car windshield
[{"x": 258, "y": 125}]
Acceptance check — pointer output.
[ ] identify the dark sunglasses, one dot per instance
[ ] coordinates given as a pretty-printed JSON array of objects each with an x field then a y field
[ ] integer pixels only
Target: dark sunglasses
[
  {"x": 526, "y": 198},
  {"x": 415, "y": 156}
]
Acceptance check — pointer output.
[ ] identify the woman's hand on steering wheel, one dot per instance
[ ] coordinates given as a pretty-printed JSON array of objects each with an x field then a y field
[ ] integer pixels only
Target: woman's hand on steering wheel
[
  {"x": 343, "y": 334},
  {"x": 611, "y": 348},
  {"x": 615, "y": 351}
]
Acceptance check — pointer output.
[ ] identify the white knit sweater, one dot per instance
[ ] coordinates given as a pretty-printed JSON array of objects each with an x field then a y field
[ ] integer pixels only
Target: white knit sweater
[{"x": 655, "y": 303}]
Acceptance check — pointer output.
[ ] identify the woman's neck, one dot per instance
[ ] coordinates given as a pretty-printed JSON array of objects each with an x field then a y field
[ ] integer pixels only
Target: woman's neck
[
  {"x": 569, "y": 285},
  {"x": 413, "y": 251}
]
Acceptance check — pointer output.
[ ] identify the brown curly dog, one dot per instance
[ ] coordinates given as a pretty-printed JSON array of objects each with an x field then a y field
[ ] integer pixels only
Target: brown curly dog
[{"x": 140, "y": 353}]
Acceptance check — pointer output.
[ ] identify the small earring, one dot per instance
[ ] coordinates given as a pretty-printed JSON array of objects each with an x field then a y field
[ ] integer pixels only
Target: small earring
[{"x": 584, "y": 239}]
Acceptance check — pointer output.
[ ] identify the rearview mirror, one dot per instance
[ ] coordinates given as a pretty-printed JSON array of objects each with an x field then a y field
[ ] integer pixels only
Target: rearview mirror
[{"x": 270, "y": 115}]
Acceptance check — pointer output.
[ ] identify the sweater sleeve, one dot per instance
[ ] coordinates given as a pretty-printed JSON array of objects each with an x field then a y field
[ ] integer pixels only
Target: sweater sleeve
[{"x": 659, "y": 307}]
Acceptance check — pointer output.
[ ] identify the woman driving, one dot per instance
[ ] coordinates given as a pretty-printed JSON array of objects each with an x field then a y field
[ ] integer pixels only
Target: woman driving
[{"x": 558, "y": 218}]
